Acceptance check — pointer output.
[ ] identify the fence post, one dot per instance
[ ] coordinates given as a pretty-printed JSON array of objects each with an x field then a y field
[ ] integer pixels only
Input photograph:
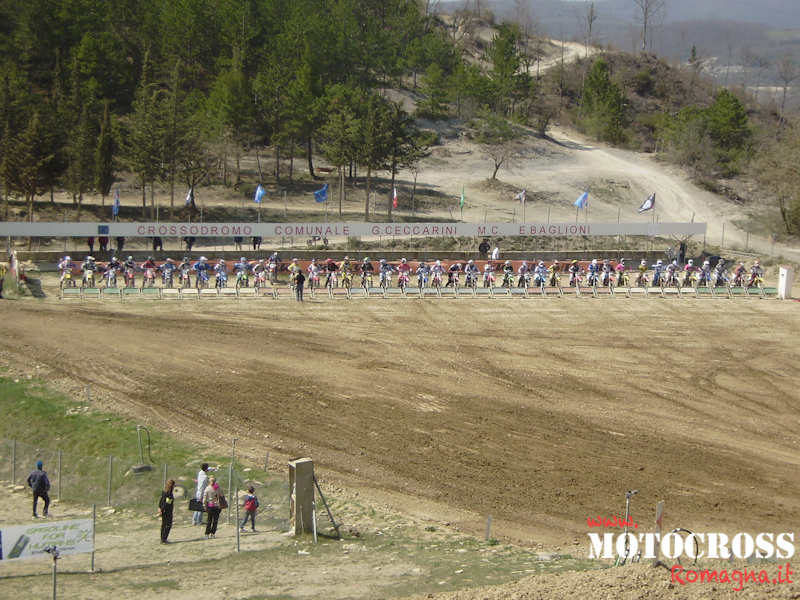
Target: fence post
[
  {"x": 94, "y": 531},
  {"x": 110, "y": 468},
  {"x": 60, "y": 452},
  {"x": 266, "y": 462},
  {"x": 13, "y": 462},
  {"x": 165, "y": 475},
  {"x": 238, "y": 529}
]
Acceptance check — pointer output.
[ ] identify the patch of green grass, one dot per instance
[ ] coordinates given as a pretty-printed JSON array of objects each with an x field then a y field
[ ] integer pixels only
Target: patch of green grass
[
  {"x": 41, "y": 424},
  {"x": 161, "y": 584}
]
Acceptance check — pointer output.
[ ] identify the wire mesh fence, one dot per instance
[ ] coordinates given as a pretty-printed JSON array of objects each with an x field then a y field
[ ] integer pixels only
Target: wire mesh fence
[{"x": 126, "y": 482}]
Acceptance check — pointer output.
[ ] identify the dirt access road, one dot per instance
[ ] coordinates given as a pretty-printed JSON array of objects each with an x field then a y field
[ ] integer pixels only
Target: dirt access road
[{"x": 538, "y": 412}]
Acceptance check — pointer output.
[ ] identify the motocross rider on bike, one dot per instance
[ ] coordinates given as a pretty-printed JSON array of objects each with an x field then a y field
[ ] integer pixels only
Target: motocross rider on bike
[
  {"x": 607, "y": 271},
  {"x": 620, "y": 269},
  {"x": 540, "y": 274},
  {"x": 739, "y": 274},
  {"x": 755, "y": 272},
  {"x": 437, "y": 269},
  {"x": 524, "y": 274},
  {"x": 642, "y": 272},
  {"x": 594, "y": 270},
  {"x": 330, "y": 269},
  {"x": 657, "y": 269},
  {"x": 385, "y": 270},
  {"x": 574, "y": 272},
  {"x": 167, "y": 269},
  {"x": 242, "y": 267},
  {"x": 471, "y": 271},
  {"x": 719, "y": 272},
  {"x": 66, "y": 265},
  {"x": 422, "y": 274},
  {"x": 452, "y": 273}
]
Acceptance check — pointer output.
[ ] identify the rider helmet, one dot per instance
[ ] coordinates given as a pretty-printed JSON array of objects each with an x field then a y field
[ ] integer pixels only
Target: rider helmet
[
  {"x": 722, "y": 261},
  {"x": 458, "y": 266},
  {"x": 508, "y": 263},
  {"x": 644, "y": 261},
  {"x": 403, "y": 261},
  {"x": 294, "y": 260},
  {"x": 691, "y": 261},
  {"x": 314, "y": 261},
  {"x": 594, "y": 261},
  {"x": 622, "y": 261},
  {"x": 169, "y": 260},
  {"x": 260, "y": 261},
  {"x": 129, "y": 258},
  {"x": 706, "y": 263},
  {"x": 472, "y": 262},
  {"x": 329, "y": 261},
  {"x": 222, "y": 261},
  {"x": 741, "y": 264},
  {"x": 150, "y": 258},
  {"x": 90, "y": 258},
  {"x": 421, "y": 264},
  {"x": 659, "y": 262},
  {"x": 203, "y": 258},
  {"x": 242, "y": 259},
  {"x": 524, "y": 263},
  {"x": 66, "y": 258},
  {"x": 438, "y": 263},
  {"x": 555, "y": 262},
  {"x": 185, "y": 259},
  {"x": 347, "y": 258},
  {"x": 541, "y": 263},
  {"x": 383, "y": 261},
  {"x": 575, "y": 262},
  {"x": 757, "y": 263}
]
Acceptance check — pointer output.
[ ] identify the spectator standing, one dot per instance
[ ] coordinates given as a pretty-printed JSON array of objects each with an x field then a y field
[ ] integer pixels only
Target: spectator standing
[
  {"x": 484, "y": 248},
  {"x": 202, "y": 482},
  {"x": 250, "y": 507},
  {"x": 237, "y": 241},
  {"x": 40, "y": 485},
  {"x": 211, "y": 502},
  {"x": 2, "y": 281},
  {"x": 103, "y": 241},
  {"x": 189, "y": 241},
  {"x": 120, "y": 243},
  {"x": 256, "y": 239},
  {"x": 90, "y": 243},
  {"x": 157, "y": 244},
  {"x": 496, "y": 253},
  {"x": 165, "y": 506},
  {"x": 299, "y": 280}
]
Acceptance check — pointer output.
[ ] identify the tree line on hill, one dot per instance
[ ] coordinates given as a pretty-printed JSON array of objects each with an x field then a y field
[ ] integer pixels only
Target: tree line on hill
[{"x": 175, "y": 92}]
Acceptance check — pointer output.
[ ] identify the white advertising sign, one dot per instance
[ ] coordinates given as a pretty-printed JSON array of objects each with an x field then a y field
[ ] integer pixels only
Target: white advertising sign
[
  {"x": 30, "y": 541},
  {"x": 268, "y": 230}
]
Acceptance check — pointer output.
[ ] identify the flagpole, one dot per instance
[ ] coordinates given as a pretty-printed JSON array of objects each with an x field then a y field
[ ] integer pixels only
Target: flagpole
[
  {"x": 576, "y": 213},
  {"x": 523, "y": 210}
]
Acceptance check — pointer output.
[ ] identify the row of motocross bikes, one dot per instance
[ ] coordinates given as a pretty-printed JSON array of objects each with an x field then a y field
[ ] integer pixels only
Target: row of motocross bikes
[{"x": 344, "y": 279}]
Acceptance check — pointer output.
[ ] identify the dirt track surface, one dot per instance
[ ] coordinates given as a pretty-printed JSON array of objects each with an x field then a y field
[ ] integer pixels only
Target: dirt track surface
[{"x": 538, "y": 412}]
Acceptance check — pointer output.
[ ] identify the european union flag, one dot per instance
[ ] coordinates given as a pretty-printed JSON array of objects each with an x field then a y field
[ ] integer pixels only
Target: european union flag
[{"x": 322, "y": 195}]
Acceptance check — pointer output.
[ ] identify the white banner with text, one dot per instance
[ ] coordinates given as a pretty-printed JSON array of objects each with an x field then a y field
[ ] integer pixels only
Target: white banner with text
[
  {"x": 30, "y": 541},
  {"x": 268, "y": 230}
]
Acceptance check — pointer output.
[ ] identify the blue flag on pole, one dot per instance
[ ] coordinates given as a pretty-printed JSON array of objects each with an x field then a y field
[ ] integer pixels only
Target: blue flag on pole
[
  {"x": 322, "y": 195},
  {"x": 259, "y": 193},
  {"x": 115, "y": 206},
  {"x": 189, "y": 197},
  {"x": 583, "y": 200}
]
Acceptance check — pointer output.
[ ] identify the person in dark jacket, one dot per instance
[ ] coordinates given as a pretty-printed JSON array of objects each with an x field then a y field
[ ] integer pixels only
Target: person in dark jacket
[
  {"x": 40, "y": 485},
  {"x": 165, "y": 506}
]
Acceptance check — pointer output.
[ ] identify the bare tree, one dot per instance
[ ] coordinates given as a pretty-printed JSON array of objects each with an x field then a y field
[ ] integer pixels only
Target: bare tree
[
  {"x": 648, "y": 11},
  {"x": 762, "y": 62},
  {"x": 787, "y": 73},
  {"x": 729, "y": 55},
  {"x": 586, "y": 24}
]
